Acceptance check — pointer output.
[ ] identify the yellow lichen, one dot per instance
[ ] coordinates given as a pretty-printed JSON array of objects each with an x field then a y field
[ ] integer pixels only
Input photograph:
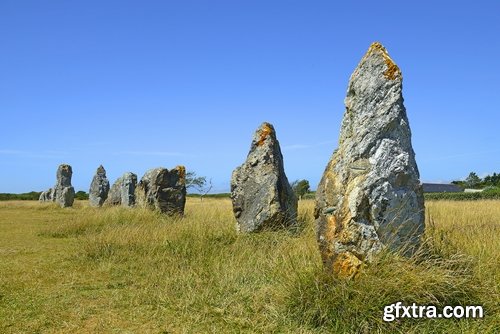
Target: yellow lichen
[
  {"x": 346, "y": 265},
  {"x": 331, "y": 229},
  {"x": 392, "y": 71},
  {"x": 264, "y": 133},
  {"x": 182, "y": 171}
]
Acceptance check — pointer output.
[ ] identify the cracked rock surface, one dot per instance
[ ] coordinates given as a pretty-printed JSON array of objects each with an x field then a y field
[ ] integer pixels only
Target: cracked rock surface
[
  {"x": 122, "y": 192},
  {"x": 370, "y": 196},
  {"x": 99, "y": 188},
  {"x": 163, "y": 190},
  {"x": 260, "y": 192},
  {"x": 63, "y": 193}
]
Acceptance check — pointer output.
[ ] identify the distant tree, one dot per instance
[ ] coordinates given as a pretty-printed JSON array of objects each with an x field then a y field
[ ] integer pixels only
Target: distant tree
[
  {"x": 193, "y": 180},
  {"x": 81, "y": 195},
  {"x": 472, "y": 181},
  {"x": 461, "y": 184},
  {"x": 31, "y": 196},
  {"x": 492, "y": 180},
  {"x": 495, "y": 179},
  {"x": 199, "y": 183},
  {"x": 300, "y": 188}
]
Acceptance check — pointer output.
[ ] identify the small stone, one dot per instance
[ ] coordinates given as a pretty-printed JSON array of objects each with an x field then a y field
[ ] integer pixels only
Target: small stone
[
  {"x": 163, "y": 190},
  {"x": 99, "y": 188},
  {"x": 123, "y": 191},
  {"x": 261, "y": 195},
  {"x": 372, "y": 180},
  {"x": 328, "y": 210}
]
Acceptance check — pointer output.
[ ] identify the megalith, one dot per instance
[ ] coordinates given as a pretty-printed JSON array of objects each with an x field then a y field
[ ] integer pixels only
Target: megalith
[
  {"x": 370, "y": 196},
  {"x": 63, "y": 193},
  {"x": 99, "y": 188},
  {"x": 123, "y": 191},
  {"x": 261, "y": 195},
  {"x": 46, "y": 196},
  {"x": 163, "y": 190}
]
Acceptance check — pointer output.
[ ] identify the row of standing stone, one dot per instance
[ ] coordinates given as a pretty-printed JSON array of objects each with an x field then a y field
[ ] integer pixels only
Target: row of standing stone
[
  {"x": 159, "y": 188},
  {"x": 369, "y": 197}
]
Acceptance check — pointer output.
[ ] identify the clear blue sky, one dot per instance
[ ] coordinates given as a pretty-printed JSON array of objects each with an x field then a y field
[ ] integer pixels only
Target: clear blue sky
[{"x": 134, "y": 85}]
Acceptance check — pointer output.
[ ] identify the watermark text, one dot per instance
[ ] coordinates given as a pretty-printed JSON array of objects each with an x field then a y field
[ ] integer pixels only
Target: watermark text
[{"x": 414, "y": 311}]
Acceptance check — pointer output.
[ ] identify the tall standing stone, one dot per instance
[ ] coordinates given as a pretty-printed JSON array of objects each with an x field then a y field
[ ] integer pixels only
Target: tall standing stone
[
  {"x": 260, "y": 192},
  {"x": 99, "y": 188},
  {"x": 63, "y": 193},
  {"x": 370, "y": 197},
  {"x": 123, "y": 191},
  {"x": 163, "y": 190}
]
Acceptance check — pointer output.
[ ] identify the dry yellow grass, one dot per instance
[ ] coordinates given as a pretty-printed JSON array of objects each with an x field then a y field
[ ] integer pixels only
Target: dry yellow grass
[
  {"x": 473, "y": 226},
  {"x": 90, "y": 270}
]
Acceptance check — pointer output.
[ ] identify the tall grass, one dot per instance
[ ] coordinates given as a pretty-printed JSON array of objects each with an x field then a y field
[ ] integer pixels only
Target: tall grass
[{"x": 119, "y": 270}]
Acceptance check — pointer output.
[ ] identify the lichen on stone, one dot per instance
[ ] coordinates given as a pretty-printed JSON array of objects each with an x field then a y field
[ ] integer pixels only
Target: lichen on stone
[
  {"x": 261, "y": 195},
  {"x": 347, "y": 265},
  {"x": 372, "y": 179},
  {"x": 182, "y": 171},
  {"x": 163, "y": 190},
  {"x": 265, "y": 131},
  {"x": 392, "y": 71}
]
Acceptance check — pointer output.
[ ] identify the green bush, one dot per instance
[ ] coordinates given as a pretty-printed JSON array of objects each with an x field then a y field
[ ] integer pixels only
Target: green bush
[
  {"x": 31, "y": 196},
  {"x": 491, "y": 190},
  {"x": 81, "y": 195},
  {"x": 487, "y": 194}
]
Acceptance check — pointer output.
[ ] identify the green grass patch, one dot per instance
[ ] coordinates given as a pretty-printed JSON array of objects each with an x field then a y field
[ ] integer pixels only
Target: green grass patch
[{"x": 91, "y": 270}]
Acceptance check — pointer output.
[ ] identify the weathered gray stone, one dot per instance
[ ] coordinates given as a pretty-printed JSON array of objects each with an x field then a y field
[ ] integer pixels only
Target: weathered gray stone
[
  {"x": 63, "y": 193},
  {"x": 99, "y": 188},
  {"x": 163, "y": 190},
  {"x": 52, "y": 194},
  {"x": 261, "y": 195},
  {"x": 370, "y": 197},
  {"x": 123, "y": 191},
  {"x": 115, "y": 193},
  {"x": 46, "y": 196}
]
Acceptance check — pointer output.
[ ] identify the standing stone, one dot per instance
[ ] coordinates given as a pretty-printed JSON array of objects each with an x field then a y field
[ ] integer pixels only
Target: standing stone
[
  {"x": 163, "y": 190},
  {"x": 261, "y": 195},
  {"x": 99, "y": 188},
  {"x": 46, "y": 196},
  {"x": 370, "y": 196},
  {"x": 63, "y": 193},
  {"x": 123, "y": 191},
  {"x": 115, "y": 193}
]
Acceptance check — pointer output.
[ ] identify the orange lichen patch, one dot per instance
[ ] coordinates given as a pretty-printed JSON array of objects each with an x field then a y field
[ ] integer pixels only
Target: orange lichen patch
[
  {"x": 331, "y": 228},
  {"x": 182, "y": 171},
  {"x": 393, "y": 70},
  {"x": 346, "y": 265},
  {"x": 347, "y": 236},
  {"x": 332, "y": 182},
  {"x": 264, "y": 133}
]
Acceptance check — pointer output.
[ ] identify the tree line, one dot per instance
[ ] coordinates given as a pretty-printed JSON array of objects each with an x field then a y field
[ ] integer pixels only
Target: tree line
[
  {"x": 35, "y": 195},
  {"x": 475, "y": 182},
  {"x": 300, "y": 187}
]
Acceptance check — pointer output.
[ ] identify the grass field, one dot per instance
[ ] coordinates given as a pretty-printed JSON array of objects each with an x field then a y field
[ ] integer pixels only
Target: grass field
[{"x": 116, "y": 270}]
